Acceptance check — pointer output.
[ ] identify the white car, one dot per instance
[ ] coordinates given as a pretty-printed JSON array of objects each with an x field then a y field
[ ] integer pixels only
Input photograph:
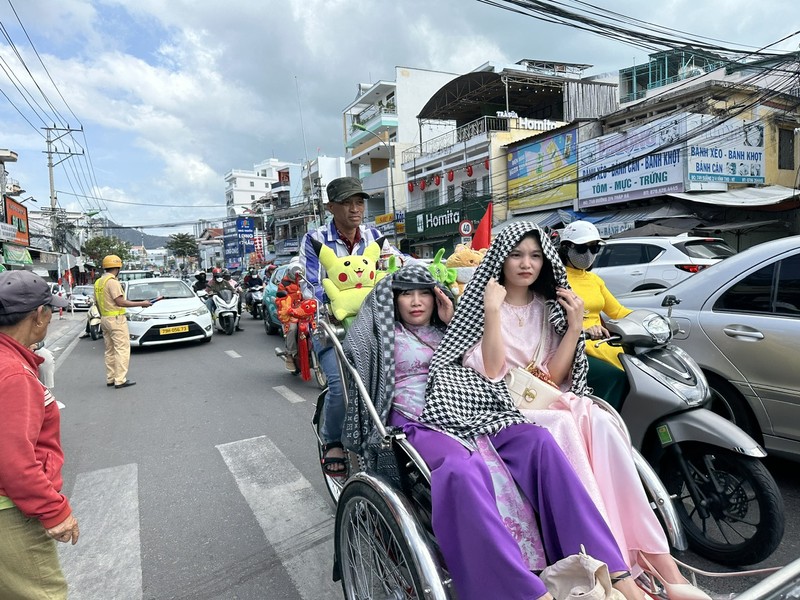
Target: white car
[
  {"x": 653, "y": 263},
  {"x": 178, "y": 315},
  {"x": 82, "y": 296}
]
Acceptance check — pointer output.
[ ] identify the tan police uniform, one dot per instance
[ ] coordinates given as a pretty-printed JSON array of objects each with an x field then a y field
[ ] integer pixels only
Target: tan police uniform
[{"x": 115, "y": 329}]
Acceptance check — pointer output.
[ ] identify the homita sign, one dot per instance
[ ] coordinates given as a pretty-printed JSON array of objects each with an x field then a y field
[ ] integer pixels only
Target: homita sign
[{"x": 442, "y": 221}]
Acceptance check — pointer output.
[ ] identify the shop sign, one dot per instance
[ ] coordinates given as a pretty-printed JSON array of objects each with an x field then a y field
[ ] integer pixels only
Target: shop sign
[
  {"x": 384, "y": 219},
  {"x": 15, "y": 255},
  {"x": 8, "y": 232},
  {"x": 17, "y": 217},
  {"x": 731, "y": 152},
  {"x": 544, "y": 171},
  {"x": 442, "y": 221},
  {"x": 639, "y": 163}
]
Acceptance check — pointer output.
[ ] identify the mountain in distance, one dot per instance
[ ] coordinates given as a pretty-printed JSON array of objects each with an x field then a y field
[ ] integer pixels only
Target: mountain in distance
[{"x": 134, "y": 237}]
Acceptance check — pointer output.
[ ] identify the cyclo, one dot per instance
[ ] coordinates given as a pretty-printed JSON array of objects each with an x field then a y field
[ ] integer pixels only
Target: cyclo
[{"x": 384, "y": 545}]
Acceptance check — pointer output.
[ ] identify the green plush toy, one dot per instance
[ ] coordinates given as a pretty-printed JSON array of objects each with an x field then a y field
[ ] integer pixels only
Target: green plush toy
[
  {"x": 350, "y": 278},
  {"x": 440, "y": 272}
]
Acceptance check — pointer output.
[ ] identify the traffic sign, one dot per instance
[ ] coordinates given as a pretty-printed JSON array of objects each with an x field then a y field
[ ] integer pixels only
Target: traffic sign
[{"x": 465, "y": 228}]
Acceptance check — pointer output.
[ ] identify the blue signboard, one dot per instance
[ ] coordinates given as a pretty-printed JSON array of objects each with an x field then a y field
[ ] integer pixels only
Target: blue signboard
[{"x": 239, "y": 236}]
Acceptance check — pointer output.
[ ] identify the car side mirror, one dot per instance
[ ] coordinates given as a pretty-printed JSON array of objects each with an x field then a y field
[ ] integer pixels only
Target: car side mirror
[{"x": 670, "y": 301}]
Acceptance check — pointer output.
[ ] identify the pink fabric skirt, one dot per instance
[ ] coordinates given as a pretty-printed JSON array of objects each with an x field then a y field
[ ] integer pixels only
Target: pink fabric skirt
[{"x": 600, "y": 453}]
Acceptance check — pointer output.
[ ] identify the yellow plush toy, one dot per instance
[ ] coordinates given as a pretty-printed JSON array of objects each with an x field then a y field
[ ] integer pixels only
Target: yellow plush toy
[
  {"x": 464, "y": 260},
  {"x": 350, "y": 278}
]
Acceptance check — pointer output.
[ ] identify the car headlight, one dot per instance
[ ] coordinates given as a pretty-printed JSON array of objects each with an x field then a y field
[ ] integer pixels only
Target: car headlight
[
  {"x": 658, "y": 327},
  {"x": 199, "y": 312},
  {"x": 138, "y": 317}
]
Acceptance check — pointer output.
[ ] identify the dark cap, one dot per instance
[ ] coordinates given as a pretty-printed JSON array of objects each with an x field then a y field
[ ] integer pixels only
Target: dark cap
[
  {"x": 342, "y": 188},
  {"x": 23, "y": 291}
]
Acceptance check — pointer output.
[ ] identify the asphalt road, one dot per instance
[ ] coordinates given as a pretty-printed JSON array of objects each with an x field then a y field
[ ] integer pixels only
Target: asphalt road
[{"x": 202, "y": 481}]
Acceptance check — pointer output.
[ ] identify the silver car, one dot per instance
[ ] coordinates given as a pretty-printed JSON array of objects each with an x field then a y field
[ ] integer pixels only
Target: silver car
[
  {"x": 650, "y": 263},
  {"x": 740, "y": 320}
]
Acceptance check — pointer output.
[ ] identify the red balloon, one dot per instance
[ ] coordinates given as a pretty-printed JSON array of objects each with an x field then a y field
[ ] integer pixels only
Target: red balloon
[
  {"x": 469, "y": 170},
  {"x": 410, "y": 186},
  {"x": 450, "y": 175},
  {"x": 437, "y": 179}
]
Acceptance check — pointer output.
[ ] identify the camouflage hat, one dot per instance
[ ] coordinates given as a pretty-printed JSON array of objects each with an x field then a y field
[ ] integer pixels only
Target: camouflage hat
[{"x": 343, "y": 188}]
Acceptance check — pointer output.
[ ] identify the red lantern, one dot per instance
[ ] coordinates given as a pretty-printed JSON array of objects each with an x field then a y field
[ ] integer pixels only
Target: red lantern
[
  {"x": 469, "y": 170},
  {"x": 437, "y": 179},
  {"x": 422, "y": 184},
  {"x": 486, "y": 164},
  {"x": 450, "y": 175},
  {"x": 410, "y": 186}
]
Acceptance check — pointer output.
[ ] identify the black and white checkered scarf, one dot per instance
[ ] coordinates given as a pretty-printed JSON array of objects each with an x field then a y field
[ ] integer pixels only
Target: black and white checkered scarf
[
  {"x": 369, "y": 347},
  {"x": 459, "y": 399}
]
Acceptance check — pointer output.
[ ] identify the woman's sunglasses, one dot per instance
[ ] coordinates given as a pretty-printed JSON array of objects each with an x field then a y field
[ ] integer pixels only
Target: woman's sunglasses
[{"x": 583, "y": 248}]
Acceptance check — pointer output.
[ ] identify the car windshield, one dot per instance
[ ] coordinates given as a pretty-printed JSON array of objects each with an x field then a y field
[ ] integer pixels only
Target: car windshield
[
  {"x": 707, "y": 249},
  {"x": 86, "y": 290},
  {"x": 147, "y": 290}
]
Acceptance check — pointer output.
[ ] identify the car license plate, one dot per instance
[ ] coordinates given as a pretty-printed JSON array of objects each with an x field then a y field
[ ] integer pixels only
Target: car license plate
[{"x": 176, "y": 329}]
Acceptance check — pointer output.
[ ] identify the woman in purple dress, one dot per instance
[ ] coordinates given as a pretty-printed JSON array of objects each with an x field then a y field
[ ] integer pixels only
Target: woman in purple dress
[{"x": 484, "y": 484}]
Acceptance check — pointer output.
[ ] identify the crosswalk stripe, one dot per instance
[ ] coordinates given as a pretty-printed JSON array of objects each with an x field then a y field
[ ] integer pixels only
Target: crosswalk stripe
[
  {"x": 233, "y": 354},
  {"x": 290, "y": 395},
  {"x": 106, "y": 562},
  {"x": 295, "y": 519}
]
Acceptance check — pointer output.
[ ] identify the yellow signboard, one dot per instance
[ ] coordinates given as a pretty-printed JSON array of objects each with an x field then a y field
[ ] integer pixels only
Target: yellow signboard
[
  {"x": 384, "y": 219},
  {"x": 543, "y": 172}
]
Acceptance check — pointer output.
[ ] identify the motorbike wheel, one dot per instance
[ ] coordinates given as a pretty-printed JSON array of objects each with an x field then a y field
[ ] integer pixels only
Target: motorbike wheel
[
  {"x": 737, "y": 518},
  {"x": 228, "y": 325},
  {"x": 376, "y": 560},
  {"x": 94, "y": 332}
]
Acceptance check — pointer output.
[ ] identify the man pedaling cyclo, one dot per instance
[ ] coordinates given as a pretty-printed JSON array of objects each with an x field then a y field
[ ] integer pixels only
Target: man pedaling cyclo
[{"x": 346, "y": 236}]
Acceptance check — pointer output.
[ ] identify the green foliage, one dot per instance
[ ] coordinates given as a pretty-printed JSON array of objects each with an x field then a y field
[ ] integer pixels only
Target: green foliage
[
  {"x": 101, "y": 245},
  {"x": 182, "y": 244}
]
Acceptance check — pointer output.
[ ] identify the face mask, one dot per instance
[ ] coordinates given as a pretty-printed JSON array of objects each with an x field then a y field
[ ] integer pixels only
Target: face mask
[
  {"x": 217, "y": 278},
  {"x": 580, "y": 260}
]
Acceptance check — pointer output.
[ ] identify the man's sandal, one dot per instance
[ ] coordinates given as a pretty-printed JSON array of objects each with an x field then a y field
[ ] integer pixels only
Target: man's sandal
[{"x": 330, "y": 463}]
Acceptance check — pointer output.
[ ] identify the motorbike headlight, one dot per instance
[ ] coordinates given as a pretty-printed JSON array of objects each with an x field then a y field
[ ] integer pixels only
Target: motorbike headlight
[{"x": 658, "y": 327}]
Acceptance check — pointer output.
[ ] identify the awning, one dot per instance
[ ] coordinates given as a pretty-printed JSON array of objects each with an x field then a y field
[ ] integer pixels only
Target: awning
[
  {"x": 740, "y": 227},
  {"x": 743, "y": 197},
  {"x": 429, "y": 242},
  {"x": 545, "y": 218}
]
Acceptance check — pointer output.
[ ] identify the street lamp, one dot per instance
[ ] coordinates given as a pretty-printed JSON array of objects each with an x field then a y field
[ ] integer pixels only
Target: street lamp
[{"x": 360, "y": 127}]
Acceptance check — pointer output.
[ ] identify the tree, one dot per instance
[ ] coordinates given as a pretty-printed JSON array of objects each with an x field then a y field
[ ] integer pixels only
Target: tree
[
  {"x": 100, "y": 246},
  {"x": 182, "y": 245}
]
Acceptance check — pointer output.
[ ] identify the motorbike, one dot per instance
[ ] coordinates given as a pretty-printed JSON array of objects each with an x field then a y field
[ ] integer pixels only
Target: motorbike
[
  {"x": 256, "y": 306},
  {"x": 728, "y": 503},
  {"x": 224, "y": 310},
  {"x": 93, "y": 322}
]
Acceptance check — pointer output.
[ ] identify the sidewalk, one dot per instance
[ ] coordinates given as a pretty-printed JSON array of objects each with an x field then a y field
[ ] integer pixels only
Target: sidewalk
[{"x": 62, "y": 331}]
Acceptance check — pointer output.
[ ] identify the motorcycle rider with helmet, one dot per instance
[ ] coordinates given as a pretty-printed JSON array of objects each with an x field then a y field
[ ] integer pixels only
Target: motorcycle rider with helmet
[
  {"x": 201, "y": 283},
  {"x": 216, "y": 285},
  {"x": 250, "y": 281}
]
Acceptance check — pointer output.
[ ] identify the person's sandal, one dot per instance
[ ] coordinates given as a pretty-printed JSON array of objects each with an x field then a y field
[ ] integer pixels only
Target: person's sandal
[{"x": 329, "y": 463}]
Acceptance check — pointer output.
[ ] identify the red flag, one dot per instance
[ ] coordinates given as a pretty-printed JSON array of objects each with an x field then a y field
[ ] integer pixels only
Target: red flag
[{"x": 483, "y": 234}]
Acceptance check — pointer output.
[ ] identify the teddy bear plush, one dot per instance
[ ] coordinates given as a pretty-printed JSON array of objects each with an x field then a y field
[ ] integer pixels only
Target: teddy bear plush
[
  {"x": 464, "y": 261},
  {"x": 350, "y": 278}
]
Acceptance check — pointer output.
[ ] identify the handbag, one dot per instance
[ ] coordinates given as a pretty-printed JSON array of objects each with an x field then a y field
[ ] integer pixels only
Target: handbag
[
  {"x": 529, "y": 387},
  {"x": 580, "y": 577}
]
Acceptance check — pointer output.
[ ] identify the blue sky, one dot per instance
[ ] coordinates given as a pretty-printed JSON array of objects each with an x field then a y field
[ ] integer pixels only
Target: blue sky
[{"x": 173, "y": 94}]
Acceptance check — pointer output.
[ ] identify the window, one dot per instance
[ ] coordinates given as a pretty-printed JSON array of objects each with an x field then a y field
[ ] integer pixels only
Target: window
[
  {"x": 451, "y": 194},
  {"x": 252, "y": 184},
  {"x": 787, "y": 299},
  {"x": 469, "y": 189},
  {"x": 431, "y": 198},
  {"x": 486, "y": 185},
  {"x": 786, "y": 149},
  {"x": 619, "y": 255},
  {"x": 252, "y": 196},
  {"x": 751, "y": 294}
]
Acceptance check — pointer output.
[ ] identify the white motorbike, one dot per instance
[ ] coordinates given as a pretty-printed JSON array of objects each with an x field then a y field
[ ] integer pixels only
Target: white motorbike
[
  {"x": 256, "y": 294},
  {"x": 224, "y": 310},
  {"x": 93, "y": 322}
]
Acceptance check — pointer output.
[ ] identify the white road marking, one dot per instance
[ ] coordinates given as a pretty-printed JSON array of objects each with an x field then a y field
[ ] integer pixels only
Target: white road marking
[
  {"x": 291, "y": 396},
  {"x": 106, "y": 562},
  {"x": 233, "y": 354},
  {"x": 296, "y": 521}
]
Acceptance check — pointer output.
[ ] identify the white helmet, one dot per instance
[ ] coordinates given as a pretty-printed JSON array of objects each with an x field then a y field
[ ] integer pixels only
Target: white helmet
[{"x": 580, "y": 232}]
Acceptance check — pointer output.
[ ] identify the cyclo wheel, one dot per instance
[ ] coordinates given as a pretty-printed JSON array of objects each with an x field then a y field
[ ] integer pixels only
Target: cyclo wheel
[
  {"x": 739, "y": 523},
  {"x": 375, "y": 559}
]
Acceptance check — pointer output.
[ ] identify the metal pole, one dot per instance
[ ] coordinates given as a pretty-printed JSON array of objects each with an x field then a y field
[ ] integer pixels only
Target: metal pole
[{"x": 391, "y": 193}]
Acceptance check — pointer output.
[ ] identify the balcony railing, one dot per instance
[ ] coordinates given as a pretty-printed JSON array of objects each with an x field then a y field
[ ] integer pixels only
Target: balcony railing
[
  {"x": 446, "y": 141},
  {"x": 365, "y": 115}
]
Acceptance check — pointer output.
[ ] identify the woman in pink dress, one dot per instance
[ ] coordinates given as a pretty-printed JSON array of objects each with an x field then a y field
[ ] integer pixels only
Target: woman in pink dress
[{"x": 520, "y": 283}]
